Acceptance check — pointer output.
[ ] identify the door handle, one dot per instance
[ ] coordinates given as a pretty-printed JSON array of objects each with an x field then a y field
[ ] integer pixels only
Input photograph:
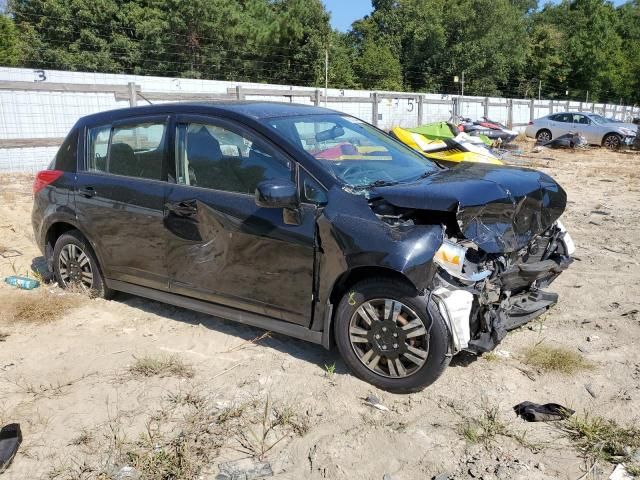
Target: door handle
[
  {"x": 187, "y": 208},
  {"x": 88, "y": 192}
]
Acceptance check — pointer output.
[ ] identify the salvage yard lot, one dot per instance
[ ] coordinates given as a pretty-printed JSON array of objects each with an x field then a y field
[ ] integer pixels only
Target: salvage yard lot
[{"x": 101, "y": 385}]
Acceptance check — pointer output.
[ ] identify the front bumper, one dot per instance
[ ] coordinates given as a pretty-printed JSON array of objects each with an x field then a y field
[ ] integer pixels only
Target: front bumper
[{"x": 479, "y": 314}]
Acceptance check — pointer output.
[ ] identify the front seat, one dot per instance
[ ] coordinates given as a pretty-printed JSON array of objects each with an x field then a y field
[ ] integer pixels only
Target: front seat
[{"x": 204, "y": 155}]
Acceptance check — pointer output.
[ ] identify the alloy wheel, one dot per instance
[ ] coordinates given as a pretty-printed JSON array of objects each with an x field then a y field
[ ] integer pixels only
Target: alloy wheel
[
  {"x": 612, "y": 142},
  {"x": 75, "y": 267},
  {"x": 389, "y": 338},
  {"x": 544, "y": 136}
]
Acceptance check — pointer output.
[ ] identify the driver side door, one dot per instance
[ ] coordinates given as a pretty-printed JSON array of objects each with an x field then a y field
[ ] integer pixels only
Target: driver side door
[
  {"x": 586, "y": 127},
  {"x": 222, "y": 247}
]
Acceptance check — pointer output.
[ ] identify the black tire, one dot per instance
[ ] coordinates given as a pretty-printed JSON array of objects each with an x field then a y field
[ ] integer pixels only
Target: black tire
[
  {"x": 97, "y": 287},
  {"x": 612, "y": 141},
  {"x": 544, "y": 136},
  {"x": 438, "y": 339}
]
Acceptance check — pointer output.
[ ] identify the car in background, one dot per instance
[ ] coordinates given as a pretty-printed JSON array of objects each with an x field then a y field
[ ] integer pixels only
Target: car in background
[
  {"x": 305, "y": 222},
  {"x": 597, "y": 129}
]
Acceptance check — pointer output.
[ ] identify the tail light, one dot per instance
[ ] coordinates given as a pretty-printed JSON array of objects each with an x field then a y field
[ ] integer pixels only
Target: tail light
[
  {"x": 44, "y": 178},
  {"x": 530, "y": 123}
]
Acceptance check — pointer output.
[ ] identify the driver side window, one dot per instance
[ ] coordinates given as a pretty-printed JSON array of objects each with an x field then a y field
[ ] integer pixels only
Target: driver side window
[
  {"x": 216, "y": 157},
  {"x": 581, "y": 119}
]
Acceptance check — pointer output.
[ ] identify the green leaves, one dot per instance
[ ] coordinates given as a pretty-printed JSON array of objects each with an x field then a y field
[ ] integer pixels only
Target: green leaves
[{"x": 504, "y": 47}]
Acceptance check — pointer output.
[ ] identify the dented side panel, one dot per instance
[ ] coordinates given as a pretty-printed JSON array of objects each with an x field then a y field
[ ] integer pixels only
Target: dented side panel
[{"x": 232, "y": 252}]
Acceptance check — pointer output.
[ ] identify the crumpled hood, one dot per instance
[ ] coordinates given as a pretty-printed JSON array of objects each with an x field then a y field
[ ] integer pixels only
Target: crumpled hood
[{"x": 499, "y": 208}]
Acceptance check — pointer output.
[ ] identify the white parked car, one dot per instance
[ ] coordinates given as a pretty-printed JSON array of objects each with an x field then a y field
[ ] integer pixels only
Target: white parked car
[{"x": 597, "y": 129}]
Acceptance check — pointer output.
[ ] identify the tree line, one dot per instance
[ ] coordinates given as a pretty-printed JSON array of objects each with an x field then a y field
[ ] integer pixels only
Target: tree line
[{"x": 574, "y": 49}]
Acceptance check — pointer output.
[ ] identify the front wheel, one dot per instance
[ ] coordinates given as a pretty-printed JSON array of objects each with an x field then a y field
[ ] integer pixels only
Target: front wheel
[
  {"x": 612, "y": 141},
  {"x": 389, "y": 336}
]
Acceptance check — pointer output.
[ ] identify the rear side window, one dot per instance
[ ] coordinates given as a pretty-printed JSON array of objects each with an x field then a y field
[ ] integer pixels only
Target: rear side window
[
  {"x": 66, "y": 158},
  {"x": 564, "y": 117},
  {"x": 98, "y": 148},
  {"x": 131, "y": 150}
]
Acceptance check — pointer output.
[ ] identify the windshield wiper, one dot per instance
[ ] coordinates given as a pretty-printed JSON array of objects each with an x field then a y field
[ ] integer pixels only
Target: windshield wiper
[
  {"x": 425, "y": 174},
  {"x": 380, "y": 183}
]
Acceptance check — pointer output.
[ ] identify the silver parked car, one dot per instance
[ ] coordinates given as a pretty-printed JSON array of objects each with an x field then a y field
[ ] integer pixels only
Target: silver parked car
[{"x": 597, "y": 129}]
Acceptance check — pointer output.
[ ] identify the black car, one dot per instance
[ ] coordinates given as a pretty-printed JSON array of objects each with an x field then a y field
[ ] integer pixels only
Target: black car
[{"x": 307, "y": 222}]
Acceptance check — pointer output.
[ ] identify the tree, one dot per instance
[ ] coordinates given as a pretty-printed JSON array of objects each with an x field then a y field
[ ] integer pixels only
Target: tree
[{"x": 9, "y": 42}]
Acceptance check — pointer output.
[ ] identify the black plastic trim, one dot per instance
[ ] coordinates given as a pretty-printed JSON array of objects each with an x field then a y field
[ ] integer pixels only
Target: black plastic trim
[{"x": 240, "y": 316}]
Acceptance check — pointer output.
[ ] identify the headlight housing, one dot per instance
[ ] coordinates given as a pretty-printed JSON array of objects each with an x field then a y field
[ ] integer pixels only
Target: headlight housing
[{"x": 451, "y": 256}]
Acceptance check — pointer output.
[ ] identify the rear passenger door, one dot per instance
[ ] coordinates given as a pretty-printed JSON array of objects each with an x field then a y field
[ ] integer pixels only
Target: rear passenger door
[
  {"x": 222, "y": 247},
  {"x": 120, "y": 195},
  {"x": 562, "y": 123}
]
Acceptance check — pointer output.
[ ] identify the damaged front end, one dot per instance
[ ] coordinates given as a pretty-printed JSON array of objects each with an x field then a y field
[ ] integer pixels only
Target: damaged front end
[
  {"x": 483, "y": 295},
  {"x": 503, "y": 244}
]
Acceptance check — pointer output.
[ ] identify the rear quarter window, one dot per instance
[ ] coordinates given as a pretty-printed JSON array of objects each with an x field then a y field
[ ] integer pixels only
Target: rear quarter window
[{"x": 66, "y": 158}]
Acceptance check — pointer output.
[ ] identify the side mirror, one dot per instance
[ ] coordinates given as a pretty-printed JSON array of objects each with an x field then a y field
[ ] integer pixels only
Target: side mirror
[{"x": 277, "y": 194}]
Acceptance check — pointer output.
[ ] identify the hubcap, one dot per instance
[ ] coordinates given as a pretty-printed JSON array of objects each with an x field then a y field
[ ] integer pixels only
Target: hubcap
[
  {"x": 389, "y": 338},
  {"x": 612, "y": 142},
  {"x": 544, "y": 137},
  {"x": 75, "y": 267}
]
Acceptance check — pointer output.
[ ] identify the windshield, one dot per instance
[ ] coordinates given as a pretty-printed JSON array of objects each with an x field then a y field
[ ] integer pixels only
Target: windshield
[{"x": 353, "y": 151}]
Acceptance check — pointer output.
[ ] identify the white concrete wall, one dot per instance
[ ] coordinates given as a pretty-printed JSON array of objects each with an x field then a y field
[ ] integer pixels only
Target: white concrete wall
[{"x": 46, "y": 114}]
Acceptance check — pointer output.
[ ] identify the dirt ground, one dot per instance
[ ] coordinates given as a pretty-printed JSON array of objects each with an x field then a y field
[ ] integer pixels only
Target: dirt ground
[{"x": 88, "y": 408}]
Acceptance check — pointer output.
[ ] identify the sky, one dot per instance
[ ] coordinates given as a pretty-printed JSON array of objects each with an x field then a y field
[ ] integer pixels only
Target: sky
[{"x": 344, "y": 12}]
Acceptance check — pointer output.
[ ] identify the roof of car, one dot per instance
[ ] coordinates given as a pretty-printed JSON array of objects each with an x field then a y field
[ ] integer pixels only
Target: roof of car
[
  {"x": 572, "y": 112},
  {"x": 255, "y": 109}
]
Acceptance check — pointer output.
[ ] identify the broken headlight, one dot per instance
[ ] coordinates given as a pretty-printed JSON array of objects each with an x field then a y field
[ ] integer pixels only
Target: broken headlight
[{"x": 451, "y": 257}]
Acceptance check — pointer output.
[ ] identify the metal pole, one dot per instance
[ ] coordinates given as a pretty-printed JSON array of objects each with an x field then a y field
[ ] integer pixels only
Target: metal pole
[
  {"x": 587, "y": 101},
  {"x": 420, "y": 109},
  {"x": 539, "y": 90},
  {"x": 461, "y": 106},
  {"x": 532, "y": 110},
  {"x": 133, "y": 95},
  {"x": 374, "y": 108},
  {"x": 326, "y": 75}
]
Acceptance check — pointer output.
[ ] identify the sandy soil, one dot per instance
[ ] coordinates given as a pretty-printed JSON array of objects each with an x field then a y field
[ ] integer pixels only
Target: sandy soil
[{"x": 68, "y": 381}]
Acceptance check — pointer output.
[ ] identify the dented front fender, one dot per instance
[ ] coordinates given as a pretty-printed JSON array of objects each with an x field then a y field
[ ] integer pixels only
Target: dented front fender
[{"x": 354, "y": 237}]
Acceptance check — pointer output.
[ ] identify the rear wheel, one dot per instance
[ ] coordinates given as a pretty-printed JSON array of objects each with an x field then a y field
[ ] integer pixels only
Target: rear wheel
[
  {"x": 544, "y": 135},
  {"x": 390, "y": 337},
  {"x": 612, "y": 141},
  {"x": 75, "y": 265}
]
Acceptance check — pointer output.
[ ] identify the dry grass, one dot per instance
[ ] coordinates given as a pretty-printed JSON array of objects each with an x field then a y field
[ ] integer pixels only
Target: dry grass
[
  {"x": 181, "y": 439},
  {"x": 37, "y": 306},
  {"x": 599, "y": 438},
  {"x": 162, "y": 366},
  {"x": 485, "y": 427},
  {"x": 488, "y": 425},
  {"x": 555, "y": 359},
  {"x": 491, "y": 357}
]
